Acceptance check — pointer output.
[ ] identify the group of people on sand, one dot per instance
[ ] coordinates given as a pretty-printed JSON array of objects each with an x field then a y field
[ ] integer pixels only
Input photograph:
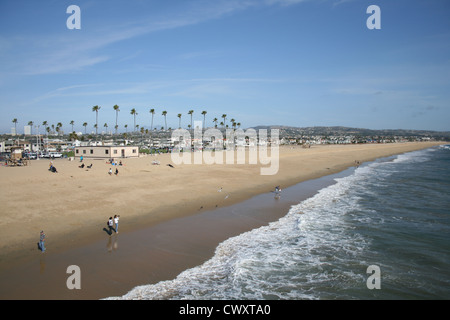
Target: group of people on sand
[
  {"x": 116, "y": 172},
  {"x": 114, "y": 162},
  {"x": 113, "y": 224},
  {"x": 110, "y": 172}
]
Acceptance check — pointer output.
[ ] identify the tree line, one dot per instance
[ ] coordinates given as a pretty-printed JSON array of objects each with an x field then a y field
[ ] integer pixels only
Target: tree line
[{"x": 57, "y": 129}]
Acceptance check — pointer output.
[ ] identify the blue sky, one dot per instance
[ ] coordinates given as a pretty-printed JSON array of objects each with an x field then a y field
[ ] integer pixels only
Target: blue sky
[{"x": 261, "y": 62}]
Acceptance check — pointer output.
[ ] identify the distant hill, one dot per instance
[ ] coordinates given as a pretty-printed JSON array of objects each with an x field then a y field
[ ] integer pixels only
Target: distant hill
[{"x": 343, "y": 131}]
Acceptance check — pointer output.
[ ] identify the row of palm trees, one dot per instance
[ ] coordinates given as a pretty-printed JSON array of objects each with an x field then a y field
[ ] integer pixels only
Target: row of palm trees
[
  {"x": 164, "y": 113},
  {"x": 116, "y": 108},
  {"x": 54, "y": 128}
]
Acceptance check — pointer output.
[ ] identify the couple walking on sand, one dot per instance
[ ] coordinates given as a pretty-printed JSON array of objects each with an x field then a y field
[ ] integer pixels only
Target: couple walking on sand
[{"x": 112, "y": 222}]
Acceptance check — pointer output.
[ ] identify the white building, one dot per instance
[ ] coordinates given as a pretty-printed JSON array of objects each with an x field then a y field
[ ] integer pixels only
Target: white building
[{"x": 107, "y": 152}]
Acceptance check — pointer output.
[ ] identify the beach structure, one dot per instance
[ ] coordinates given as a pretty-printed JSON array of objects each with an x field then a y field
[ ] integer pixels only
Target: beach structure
[
  {"x": 107, "y": 152},
  {"x": 15, "y": 158}
]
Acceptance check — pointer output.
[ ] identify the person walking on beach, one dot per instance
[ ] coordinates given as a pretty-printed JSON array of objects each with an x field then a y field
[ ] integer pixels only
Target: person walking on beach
[
  {"x": 110, "y": 171},
  {"x": 110, "y": 225},
  {"x": 42, "y": 241},
  {"x": 116, "y": 222}
]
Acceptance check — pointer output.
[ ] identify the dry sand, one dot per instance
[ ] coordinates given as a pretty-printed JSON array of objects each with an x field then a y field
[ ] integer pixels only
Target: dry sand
[{"x": 72, "y": 206}]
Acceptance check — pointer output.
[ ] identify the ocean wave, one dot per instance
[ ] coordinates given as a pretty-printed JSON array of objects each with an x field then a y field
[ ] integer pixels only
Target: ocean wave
[{"x": 415, "y": 156}]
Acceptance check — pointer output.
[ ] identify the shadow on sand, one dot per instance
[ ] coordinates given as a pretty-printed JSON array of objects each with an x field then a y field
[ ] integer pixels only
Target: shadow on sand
[{"x": 109, "y": 231}]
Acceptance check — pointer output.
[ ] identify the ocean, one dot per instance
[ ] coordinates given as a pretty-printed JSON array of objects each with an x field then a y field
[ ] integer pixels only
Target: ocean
[{"x": 380, "y": 232}]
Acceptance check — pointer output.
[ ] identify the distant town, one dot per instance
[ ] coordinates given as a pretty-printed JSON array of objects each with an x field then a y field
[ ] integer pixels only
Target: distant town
[{"x": 60, "y": 144}]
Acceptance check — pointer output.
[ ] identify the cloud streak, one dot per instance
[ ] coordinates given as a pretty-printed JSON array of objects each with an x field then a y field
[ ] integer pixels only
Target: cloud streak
[{"x": 60, "y": 53}]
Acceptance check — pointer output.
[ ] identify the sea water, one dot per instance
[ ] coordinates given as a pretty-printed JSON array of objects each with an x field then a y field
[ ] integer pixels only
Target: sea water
[{"x": 393, "y": 213}]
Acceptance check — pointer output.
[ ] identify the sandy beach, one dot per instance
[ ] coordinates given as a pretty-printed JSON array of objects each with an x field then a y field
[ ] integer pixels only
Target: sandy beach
[{"x": 73, "y": 205}]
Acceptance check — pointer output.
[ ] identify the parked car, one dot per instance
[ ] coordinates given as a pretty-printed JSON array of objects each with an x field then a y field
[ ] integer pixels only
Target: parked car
[
  {"x": 30, "y": 155},
  {"x": 55, "y": 155}
]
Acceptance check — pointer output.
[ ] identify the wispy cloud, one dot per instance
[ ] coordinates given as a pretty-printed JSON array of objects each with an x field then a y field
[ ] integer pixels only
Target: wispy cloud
[
  {"x": 56, "y": 53},
  {"x": 339, "y": 2},
  {"x": 193, "y": 88},
  {"x": 284, "y": 2}
]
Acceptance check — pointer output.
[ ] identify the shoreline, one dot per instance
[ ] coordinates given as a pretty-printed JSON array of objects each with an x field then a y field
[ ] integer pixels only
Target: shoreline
[{"x": 186, "y": 213}]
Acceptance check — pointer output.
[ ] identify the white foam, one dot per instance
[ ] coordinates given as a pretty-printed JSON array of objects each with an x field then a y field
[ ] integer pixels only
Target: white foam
[{"x": 414, "y": 156}]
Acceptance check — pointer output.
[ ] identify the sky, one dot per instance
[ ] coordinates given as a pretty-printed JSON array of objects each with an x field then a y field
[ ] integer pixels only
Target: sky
[{"x": 261, "y": 62}]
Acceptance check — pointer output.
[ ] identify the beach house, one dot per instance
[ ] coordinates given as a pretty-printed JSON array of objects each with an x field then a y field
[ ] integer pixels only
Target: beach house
[{"x": 107, "y": 152}]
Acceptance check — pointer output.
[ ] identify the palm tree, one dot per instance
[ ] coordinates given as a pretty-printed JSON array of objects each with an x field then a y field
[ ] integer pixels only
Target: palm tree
[
  {"x": 30, "y": 123},
  {"x": 58, "y": 127},
  {"x": 224, "y": 116},
  {"x": 85, "y": 125},
  {"x": 204, "y": 118},
  {"x": 152, "y": 111},
  {"x": 106, "y": 127},
  {"x": 164, "y": 113},
  {"x": 126, "y": 128},
  {"x": 191, "y": 112},
  {"x": 96, "y": 108},
  {"x": 215, "y": 122},
  {"x": 73, "y": 136},
  {"x": 238, "y": 125},
  {"x": 45, "y": 124},
  {"x": 116, "y": 108},
  {"x": 179, "y": 121},
  {"x": 72, "y": 123},
  {"x": 15, "y": 124},
  {"x": 134, "y": 113},
  {"x": 233, "y": 123}
]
